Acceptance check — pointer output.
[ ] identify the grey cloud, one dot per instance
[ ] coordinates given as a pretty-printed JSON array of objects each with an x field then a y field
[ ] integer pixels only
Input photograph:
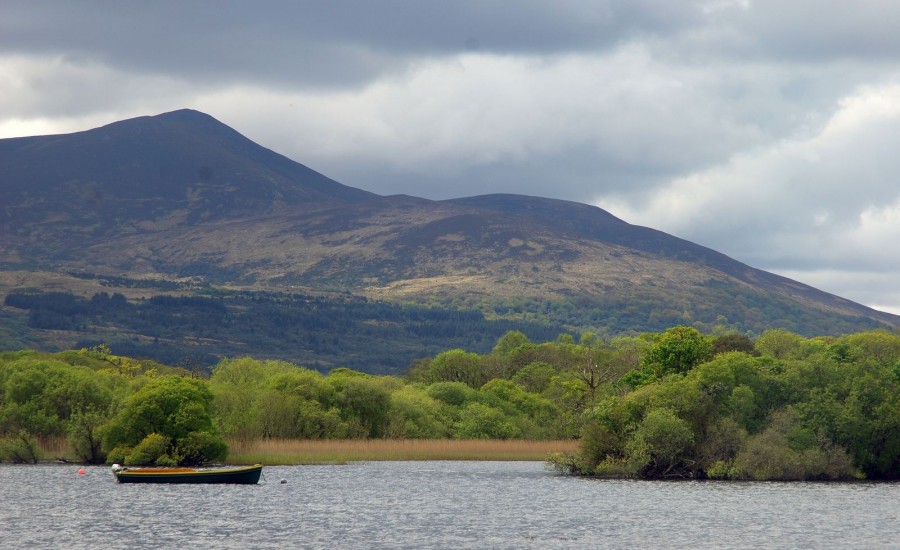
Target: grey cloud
[
  {"x": 335, "y": 43},
  {"x": 349, "y": 42},
  {"x": 813, "y": 31},
  {"x": 575, "y": 175}
]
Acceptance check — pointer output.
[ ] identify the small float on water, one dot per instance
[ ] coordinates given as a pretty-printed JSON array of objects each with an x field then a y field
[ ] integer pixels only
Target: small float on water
[{"x": 248, "y": 475}]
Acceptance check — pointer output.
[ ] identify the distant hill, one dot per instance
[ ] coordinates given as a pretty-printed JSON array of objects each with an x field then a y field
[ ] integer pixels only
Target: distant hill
[{"x": 180, "y": 203}]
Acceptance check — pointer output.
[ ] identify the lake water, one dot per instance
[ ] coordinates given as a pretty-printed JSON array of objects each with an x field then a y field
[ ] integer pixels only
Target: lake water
[{"x": 437, "y": 505}]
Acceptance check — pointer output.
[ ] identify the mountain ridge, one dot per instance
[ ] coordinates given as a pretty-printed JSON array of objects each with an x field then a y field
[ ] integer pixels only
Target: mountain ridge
[
  {"x": 612, "y": 229},
  {"x": 182, "y": 196}
]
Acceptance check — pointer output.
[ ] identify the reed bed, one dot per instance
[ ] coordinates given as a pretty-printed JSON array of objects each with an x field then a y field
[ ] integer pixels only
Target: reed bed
[
  {"x": 55, "y": 449},
  {"x": 333, "y": 451}
]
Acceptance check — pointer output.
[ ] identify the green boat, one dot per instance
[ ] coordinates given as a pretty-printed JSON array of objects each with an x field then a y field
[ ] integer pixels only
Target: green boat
[{"x": 248, "y": 475}]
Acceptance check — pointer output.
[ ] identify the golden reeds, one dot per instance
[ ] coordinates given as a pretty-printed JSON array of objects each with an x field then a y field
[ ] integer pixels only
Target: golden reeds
[
  {"x": 342, "y": 451},
  {"x": 333, "y": 451}
]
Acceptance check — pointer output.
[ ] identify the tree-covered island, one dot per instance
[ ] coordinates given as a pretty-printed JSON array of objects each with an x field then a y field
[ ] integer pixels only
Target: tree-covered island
[{"x": 677, "y": 404}]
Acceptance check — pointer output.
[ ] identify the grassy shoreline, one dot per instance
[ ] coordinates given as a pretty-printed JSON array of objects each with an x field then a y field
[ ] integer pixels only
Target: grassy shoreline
[
  {"x": 335, "y": 451},
  {"x": 341, "y": 451}
]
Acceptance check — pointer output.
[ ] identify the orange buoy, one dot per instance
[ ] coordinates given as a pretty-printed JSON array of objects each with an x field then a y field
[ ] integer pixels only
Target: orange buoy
[{"x": 81, "y": 471}]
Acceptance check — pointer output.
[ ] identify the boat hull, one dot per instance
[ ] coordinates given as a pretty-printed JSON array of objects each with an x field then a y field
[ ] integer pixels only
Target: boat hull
[{"x": 244, "y": 476}]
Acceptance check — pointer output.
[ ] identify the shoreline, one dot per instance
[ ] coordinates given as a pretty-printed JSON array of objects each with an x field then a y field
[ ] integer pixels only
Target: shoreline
[
  {"x": 287, "y": 452},
  {"x": 284, "y": 452}
]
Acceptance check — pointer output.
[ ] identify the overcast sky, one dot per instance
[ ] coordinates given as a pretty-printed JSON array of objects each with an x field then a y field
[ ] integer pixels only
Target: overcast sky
[{"x": 768, "y": 130}]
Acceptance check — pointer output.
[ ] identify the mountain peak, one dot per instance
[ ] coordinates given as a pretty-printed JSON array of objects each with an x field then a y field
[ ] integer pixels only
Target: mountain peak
[
  {"x": 180, "y": 167},
  {"x": 178, "y": 115},
  {"x": 193, "y": 118},
  {"x": 185, "y": 114},
  {"x": 183, "y": 121}
]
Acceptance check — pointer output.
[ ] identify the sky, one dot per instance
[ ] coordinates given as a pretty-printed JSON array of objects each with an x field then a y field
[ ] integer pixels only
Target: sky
[{"x": 767, "y": 130}]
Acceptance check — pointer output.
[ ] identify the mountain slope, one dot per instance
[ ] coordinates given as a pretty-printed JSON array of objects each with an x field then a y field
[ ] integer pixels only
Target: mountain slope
[
  {"x": 178, "y": 169},
  {"x": 156, "y": 201},
  {"x": 595, "y": 223}
]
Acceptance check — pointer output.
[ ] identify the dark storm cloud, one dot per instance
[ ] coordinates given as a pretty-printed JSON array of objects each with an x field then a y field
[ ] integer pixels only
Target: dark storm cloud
[{"x": 333, "y": 43}]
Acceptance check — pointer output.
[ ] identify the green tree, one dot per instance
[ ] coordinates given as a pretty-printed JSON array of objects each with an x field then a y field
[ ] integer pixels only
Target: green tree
[
  {"x": 661, "y": 445},
  {"x": 732, "y": 342},
  {"x": 535, "y": 377},
  {"x": 780, "y": 344},
  {"x": 880, "y": 345},
  {"x": 721, "y": 442},
  {"x": 509, "y": 342},
  {"x": 272, "y": 399},
  {"x": 867, "y": 424},
  {"x": 178, "y": 410},
  {"x": 19, "y": 447},
  {"x": 455, "y": 394},
  {"x": 84, "y": 435},
  {"x": 788, "y": 450},
  {"x": 677, "y": 351},
  {"x": 415, "y": 415},
  {"x": 152, "y": 449},
  {"x": 364, "y": 403},
  {"x": 599, "y": 444},
  {"x": 538, "y": 418},
  {"x": 480, "y": 421},
  {"x": 456, "y": 366}
]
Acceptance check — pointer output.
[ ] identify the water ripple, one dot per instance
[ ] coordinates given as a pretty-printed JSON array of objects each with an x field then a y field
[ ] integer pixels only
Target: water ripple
[{"x": 437, "y": 505}]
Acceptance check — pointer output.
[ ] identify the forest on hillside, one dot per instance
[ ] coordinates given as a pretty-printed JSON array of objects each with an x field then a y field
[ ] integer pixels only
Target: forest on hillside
[
  {"x": 673, "y": 404},
  {"x": 322, "y": 332},
  {"x": 198, "y": 326}
]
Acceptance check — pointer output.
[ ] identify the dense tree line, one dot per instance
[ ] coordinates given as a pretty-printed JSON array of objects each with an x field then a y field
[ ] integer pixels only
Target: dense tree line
[
  {"x": 671, "y": 404},
  {"x": 110, "y": 408},
  {"x": 320, "y": 332},
  {"x": 792, "y": 408},
  {"x": 340, "y": 329}
]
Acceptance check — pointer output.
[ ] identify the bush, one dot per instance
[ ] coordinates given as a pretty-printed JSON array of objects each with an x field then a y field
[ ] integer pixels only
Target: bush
[
  {"x": 148, "y": 450},
  {"x": 20, "y": 448},
  {"x": 199, "y": 447},
  {"x": 787, "y": 451},
  {"x": 724, "y": 439},
  {"x": 535, "y": 377},
  {"x": 479, "y": 421},
  {"x": 660, "y": 444},
  {"x": 598, "y": 443},
  {"x": 415, "y": 415},
  {"x": 84, "y": 436},
  {"x": 456, "y": 394},
  {"x": 160, "y": 419},
  {"x": 117, "y": 454}
]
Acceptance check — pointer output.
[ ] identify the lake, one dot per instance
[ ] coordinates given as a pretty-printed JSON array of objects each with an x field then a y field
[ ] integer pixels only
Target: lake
[{"x": 437, "y": 505}]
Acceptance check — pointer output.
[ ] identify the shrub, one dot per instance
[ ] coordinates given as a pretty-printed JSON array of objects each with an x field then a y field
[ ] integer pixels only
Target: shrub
[
  {"x": 787, "y": 451},
  {"x": 199, "y": 447},
  {"x": 479, "y": 421},
  {"x": 660, "y": 444},
  {"x": 171, "y": 408},
  {"x": 148, "y": 450},
  {"x": 452, "y": 393},
  {"x": 19, "y": 448}
]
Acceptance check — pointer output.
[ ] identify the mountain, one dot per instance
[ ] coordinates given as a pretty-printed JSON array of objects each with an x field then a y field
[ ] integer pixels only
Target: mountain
[
  {"x": 180, "y": 203},
  {"x": 61, "y": 193}
]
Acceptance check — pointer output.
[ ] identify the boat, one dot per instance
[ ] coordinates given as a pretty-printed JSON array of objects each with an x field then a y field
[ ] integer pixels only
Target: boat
[{"x": 248, "y": 475}]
